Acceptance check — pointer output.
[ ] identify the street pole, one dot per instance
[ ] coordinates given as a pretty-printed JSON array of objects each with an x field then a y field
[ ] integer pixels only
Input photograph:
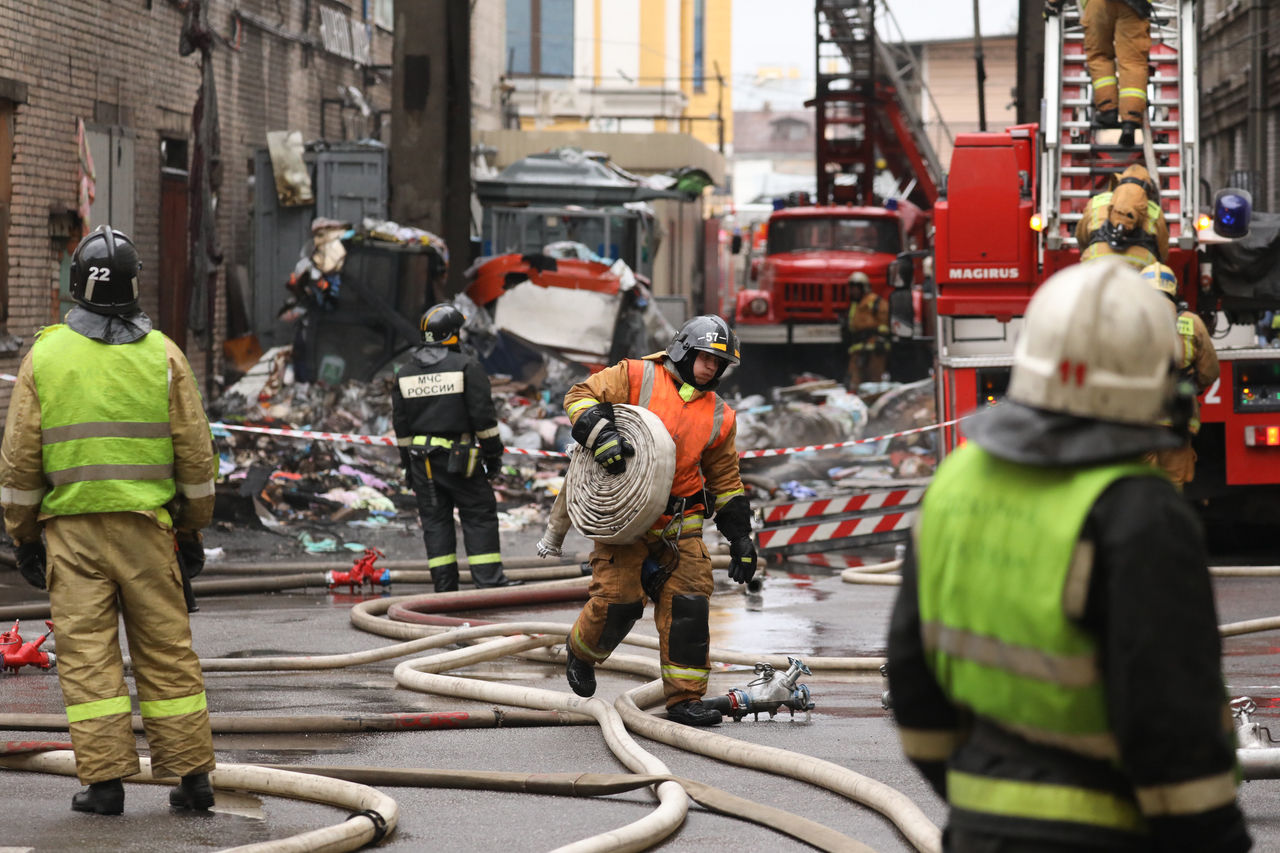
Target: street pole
[{"x": 980, "y": 62}]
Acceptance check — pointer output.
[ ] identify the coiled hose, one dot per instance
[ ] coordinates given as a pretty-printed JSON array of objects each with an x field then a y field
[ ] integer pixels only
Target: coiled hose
[{"x": 615, "y": 508}]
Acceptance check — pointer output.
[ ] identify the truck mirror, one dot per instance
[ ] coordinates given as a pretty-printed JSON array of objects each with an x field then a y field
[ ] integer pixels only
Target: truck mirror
[
  {"x": 735, "y": 245},
  {"x": 905, "y": 271}
]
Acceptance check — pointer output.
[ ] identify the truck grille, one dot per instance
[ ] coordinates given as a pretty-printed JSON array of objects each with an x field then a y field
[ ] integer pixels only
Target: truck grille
[{"x": 812, "y": 300}]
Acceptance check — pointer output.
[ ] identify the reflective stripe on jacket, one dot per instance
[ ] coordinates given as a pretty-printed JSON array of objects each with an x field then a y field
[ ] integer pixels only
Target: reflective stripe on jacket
[
  {"x": 104, "y": 448},
  {"x": 695, "y": 425},
  {"x": 1010, "y": 650}
]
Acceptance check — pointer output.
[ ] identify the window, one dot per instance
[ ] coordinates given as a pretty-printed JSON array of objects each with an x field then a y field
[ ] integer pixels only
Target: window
[
  {"x": 699, "y": 45},
  {"x": 384, "y": 13},
  {"x": 540, "y": 37},
  {"x": 806, "y": 234}
]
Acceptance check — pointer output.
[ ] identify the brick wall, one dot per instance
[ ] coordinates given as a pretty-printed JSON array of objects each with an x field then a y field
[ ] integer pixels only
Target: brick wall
[{"x": 117, "y": 61}]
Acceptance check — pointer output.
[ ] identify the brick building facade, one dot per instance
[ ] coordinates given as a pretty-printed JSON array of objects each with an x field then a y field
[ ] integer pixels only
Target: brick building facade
[{"x": 115, "y": 64}]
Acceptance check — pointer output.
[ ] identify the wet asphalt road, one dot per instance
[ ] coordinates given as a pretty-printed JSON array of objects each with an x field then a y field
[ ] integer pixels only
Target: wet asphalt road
[{"x": 804, "y": 611}]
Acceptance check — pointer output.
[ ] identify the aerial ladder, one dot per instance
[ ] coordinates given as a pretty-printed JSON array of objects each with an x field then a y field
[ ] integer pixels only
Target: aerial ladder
[
  {"x": 1078, "y": 161},
  {"x": 864, "y": 110}
]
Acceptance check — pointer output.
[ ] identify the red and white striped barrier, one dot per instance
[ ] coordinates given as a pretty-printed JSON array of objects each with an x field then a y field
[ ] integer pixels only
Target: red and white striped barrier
[
  {"x": 835, "y": 506},
  {"x": 817, "y": 534}
]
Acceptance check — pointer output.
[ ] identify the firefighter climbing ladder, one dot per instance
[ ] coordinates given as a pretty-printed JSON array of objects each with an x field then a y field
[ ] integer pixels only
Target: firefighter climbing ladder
[{"x": 1077, "y": 162}]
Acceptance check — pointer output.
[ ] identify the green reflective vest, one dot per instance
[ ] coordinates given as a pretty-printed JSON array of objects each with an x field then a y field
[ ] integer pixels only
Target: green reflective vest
[
  {"x": 106, "y": 448},
  {"x": 996, "y": 542}
]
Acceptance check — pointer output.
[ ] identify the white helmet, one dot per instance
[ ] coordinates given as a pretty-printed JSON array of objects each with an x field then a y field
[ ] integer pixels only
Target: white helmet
[{"x": 1097, "y": 342}]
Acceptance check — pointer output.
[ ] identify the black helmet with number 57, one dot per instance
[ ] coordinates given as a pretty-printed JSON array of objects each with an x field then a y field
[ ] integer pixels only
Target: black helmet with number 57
[
  {"x": 707, "y": 333},
  {"x": 104, "y": 272},
  {"x": 440, "y": 325}
]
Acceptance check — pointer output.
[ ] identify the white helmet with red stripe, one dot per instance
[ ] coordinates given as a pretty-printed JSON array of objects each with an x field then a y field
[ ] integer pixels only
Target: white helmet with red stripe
[{"x": 1098, "y": 342}]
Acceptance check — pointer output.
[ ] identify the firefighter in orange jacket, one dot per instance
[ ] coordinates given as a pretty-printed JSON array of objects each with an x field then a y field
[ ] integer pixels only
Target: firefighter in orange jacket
[
  {"x": 678, "y": 386},
  {"x": 869, "y": 327},
  {"x": 1198, "y": 366}
]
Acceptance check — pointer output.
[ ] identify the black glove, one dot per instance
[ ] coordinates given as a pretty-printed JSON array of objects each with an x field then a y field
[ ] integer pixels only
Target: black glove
[
  {"x": 191, "y": 555},
  {"x": 1052, "y": 7},
  {"x": 595, "y": 429},
  {"x": 492, "y": 466},
  {"x": 742, "y": 559},
  {"x": 31, "y": 561}
]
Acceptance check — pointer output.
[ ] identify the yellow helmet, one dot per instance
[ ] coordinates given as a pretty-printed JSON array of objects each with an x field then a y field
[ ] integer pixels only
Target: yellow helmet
[{"x": 1161, "y": 278}]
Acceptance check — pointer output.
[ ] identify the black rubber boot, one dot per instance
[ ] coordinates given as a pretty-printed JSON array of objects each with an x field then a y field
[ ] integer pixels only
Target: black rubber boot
[
  {"x": 1106, "y": 118},
  {"x": 1127, "y": 130},
  {"x": 193, "y": 792},
  {"x": 100, "y": 798},
  {"x": 691, "y": 712},
  {"x": 581, "y": 674},
  {"x": 504, "y": 581},
  {"x": 445, "y": 580}
]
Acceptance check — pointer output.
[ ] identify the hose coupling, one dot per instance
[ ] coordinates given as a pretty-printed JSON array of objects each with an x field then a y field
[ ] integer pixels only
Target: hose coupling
[
  {"x": 379, "y": 823},
  {"x": 1249, "y": 735},
  {"x": 768, "y": 693}
]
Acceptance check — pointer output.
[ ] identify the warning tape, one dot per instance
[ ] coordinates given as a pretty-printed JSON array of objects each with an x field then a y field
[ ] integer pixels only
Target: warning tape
[
  {"x": 782, "y": 451},
  {"x": 389, "y": 441}
]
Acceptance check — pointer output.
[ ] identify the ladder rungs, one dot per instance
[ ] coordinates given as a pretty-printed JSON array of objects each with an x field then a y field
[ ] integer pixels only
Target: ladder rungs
[
  {"x": 1155, "y": 125},
  {"x": 1157, "y": 79},
  {"x": 1112, "y": 170},
  {"x": 1092, "y": 193},
  {"x": 1087, "y": 148},
  {"x": 1154, "y": 102}
]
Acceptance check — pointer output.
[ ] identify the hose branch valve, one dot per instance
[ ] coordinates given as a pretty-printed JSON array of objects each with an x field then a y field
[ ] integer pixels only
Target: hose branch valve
[
  {"x": 1249, "y": 735},
  {"x": 767, "y": 694}
]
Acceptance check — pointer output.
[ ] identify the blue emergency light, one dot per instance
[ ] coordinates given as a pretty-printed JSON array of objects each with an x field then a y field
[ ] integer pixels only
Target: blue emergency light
[{"x": 1232, "y": 211}]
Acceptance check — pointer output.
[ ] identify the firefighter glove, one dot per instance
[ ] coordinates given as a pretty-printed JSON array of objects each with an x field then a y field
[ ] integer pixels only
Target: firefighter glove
[
  {"x": 31, "y": 562},
  {"x": 191, "y": 555},
  {"x": 595, "y": 429},
  {"x": 492, "y": 466},
  {"x": 1052, "y": 7},
  {"x": 742, "y": 559}
]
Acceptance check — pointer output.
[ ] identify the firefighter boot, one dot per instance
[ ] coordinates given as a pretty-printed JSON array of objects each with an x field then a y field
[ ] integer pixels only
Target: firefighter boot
[
  {"x": 580, "y": 673},
  {"x": 193, "y": 792},
  {"x": 1106, "y": 118},
  {"x": 503, "y": 581},
  {"x": 1127, "y": 130},
  {"x": 100, "y": 798},
  {"x": 692, "y": 712},
  {"x": 445, "y": 578}
]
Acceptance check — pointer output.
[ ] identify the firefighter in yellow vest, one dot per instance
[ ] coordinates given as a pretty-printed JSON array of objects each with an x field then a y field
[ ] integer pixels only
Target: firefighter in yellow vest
[
  {"x": 1126, "y": 221},
  {"x": 108, "y": 452},
  {"x": 1198, "y": 365},
  {"x": 1054, "y": 663},
  {"x": 869, "y": 329},
  {"x": 670, "y": 565}
]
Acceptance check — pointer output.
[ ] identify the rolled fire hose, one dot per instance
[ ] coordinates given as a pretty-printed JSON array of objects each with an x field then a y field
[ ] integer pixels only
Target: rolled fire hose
[
  {"x": 615, "y": 509},
  {"x": 374, "y": 814}
]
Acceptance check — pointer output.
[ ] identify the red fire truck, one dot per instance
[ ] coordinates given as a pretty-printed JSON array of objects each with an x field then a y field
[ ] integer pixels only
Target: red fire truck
[
  {"x": 1007, "y": 224},
  {"x": 793, "y": 318}
]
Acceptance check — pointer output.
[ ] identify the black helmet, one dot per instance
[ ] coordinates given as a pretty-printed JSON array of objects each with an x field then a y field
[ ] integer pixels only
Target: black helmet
[
  {"x": 440, "y": 325},
  {"x": 709, "y": 334},
  {"x": 104, "y": 272}
]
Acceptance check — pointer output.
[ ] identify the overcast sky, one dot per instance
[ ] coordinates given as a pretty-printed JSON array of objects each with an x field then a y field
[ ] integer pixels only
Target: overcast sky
[{"x": 762, "y": 38}]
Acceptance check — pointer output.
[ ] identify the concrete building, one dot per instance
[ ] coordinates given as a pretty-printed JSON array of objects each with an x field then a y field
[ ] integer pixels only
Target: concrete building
[
  {"x": 117, "y": 68},
  {"x": 773, "y": 154},
  {"x": 634, "y": 66},
  {"x": 1239, "y": 105}
]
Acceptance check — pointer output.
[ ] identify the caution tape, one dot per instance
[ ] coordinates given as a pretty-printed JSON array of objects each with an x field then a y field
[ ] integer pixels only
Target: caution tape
[
  {"x": 809, "y": 448},
  {"x": 389, "y": 441}
]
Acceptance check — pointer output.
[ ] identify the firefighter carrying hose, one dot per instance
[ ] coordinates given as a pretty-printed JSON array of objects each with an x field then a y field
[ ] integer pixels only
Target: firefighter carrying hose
[
  {"x": 670, "y": 565},
  {"x": 1054, "y": 659},
  {"x": 868, "y": 324},
  {"x": 107, "y": 448},
  {"x": 1117, "y": 46},
  {"x": 1197, "y": 365},
  {"x": 1126, "y": 221},
  {"x": 447, "y": 429}
]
